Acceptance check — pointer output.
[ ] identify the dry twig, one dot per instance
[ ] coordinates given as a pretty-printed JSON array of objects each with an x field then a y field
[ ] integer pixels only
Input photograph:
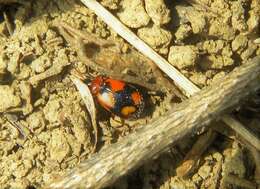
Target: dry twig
[{"x": 109, "y": 164}]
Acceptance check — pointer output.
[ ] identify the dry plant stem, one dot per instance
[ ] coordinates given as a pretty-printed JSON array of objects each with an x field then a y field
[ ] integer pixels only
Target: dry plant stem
[
  {"x": 209, "y": 104},
  {"x": 194, "y": 154},
  {"x": 186, "y": 86},
  {"x": 8, "y": 24}
]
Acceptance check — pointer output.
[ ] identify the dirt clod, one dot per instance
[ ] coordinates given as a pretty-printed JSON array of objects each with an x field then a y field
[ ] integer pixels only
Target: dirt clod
[
  {"x": 158, "y": 38},
  {"x": 9, "y": 98},
  {"x": 133, "y": 14},
  {"x": 158, "y": 11},
  {"x": 183, "y": 56}
]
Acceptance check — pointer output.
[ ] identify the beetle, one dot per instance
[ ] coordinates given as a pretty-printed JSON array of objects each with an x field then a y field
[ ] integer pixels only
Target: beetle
[{"x": 118, "y": 97}]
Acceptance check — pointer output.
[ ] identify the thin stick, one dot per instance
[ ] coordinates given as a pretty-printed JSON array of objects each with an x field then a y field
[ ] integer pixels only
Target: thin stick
[
  {"x": 186, "y": 86},
  {"x": 209, "y": 104}
]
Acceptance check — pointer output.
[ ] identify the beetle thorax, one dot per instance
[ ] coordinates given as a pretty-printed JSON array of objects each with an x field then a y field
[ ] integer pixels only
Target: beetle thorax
[{"x": 96, "y": 84}]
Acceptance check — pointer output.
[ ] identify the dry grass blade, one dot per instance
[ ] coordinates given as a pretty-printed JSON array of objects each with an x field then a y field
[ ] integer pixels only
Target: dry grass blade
[
  {"x": 90, "y": 105},
  {"x": 187, "y": 87}
]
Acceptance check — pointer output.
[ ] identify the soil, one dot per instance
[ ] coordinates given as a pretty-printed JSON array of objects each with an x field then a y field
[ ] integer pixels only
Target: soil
[{"x": 45, "y": 127}]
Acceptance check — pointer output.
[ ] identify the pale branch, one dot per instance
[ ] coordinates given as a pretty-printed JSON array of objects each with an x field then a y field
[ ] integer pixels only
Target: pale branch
[{"x": 105, "y": 167}]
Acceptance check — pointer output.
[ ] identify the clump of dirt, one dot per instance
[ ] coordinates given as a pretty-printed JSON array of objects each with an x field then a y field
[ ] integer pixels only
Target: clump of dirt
[{"x": 45, "y": 127}]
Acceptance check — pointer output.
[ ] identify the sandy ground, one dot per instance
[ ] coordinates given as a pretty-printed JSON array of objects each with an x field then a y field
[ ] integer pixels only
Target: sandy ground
[{"x": 36, "y": 94}]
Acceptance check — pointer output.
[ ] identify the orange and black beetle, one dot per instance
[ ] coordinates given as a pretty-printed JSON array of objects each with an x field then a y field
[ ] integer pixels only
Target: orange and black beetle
[{"x": 118, "y": 97}]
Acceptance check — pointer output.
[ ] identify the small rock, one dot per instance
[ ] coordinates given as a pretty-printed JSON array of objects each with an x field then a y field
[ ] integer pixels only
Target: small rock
[
  {"x": 218, "y": 156},
  {"x": 8, "y": 98},
  {"x": 111, "y": 4},
  {"x": 3, "y": 64},
  {"x": 212, "y": 46},
  {"x": 238, "y": 16},
  {"x": 40, "y": 64},
  {"x": 215, "y": 62},
  {"x": 158, "y": 38},
  {"x": 59, "y": 147},
  {"x": 51, "y": 110},
  {"x": 218, "y": 76},
  {"x": 36, "y": 120},
  {"x": 199, "y": 79},
  {"x": 246, "y": 54},
  {"x": 183, "y": 56},
  {"x": 221, "y": 30},
  {"x": 158, "y": 11},
  {"x": 254, "y": 20},
  {"x": 204, "y": 171},
  {"x": 239, "y": 43},
  {"x": 197, "y": 179},
  {"x": 183, "y": 32},
  {"x": 178, "y": 183},
  {"x": 13, "y": 64},
  {"x": 23, "y": 168},
  {"x": 132, "y": 13},
  {"x": 234, "y": 162},
  {"x": 198, "y": 22}
]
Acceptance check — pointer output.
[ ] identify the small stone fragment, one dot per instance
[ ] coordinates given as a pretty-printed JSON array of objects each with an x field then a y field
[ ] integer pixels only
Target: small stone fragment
[
  {"x": 23, "y": 168},
  {"x": 199, "y": 79},
  {"x": 59, "y": 147},
  {"x": 215, "y": 62},
  {"x": 183, "y": 32},
  {"x": 36, "y": 120},
  {"x": 198, "y": 22},
  {"x": 204, "y": 171},
  {"x": 132, "y": 13},
  {"x": 233, "y": 164},
  {"x": 13, "y": 64},
  {"x": 183, "y": 56},
  {"x": 51, "y": 110},
  {"x": 254, "y": 19},
  {"x": 3, "y": 65},
  {"x": 26, "y": 91},
  {"x": 212, "y": 46},
  {"x": 218, "y": 76},
  {"x": 40, "y": 64},
  {"x": 176, "y": 182},
  {"x": 111, "y": 4},
  {"x": 238, "y": 16},
  {"x": 239, "y": 43},
  {"x": 158, "y": 38},
  {"x": 249, "y": 51},
  {"x": 218, "y": 156},
  {"x": 158, "y": 11},
  {"x": 221, "y": 30},
  {"x": 8, "y": 98}
]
